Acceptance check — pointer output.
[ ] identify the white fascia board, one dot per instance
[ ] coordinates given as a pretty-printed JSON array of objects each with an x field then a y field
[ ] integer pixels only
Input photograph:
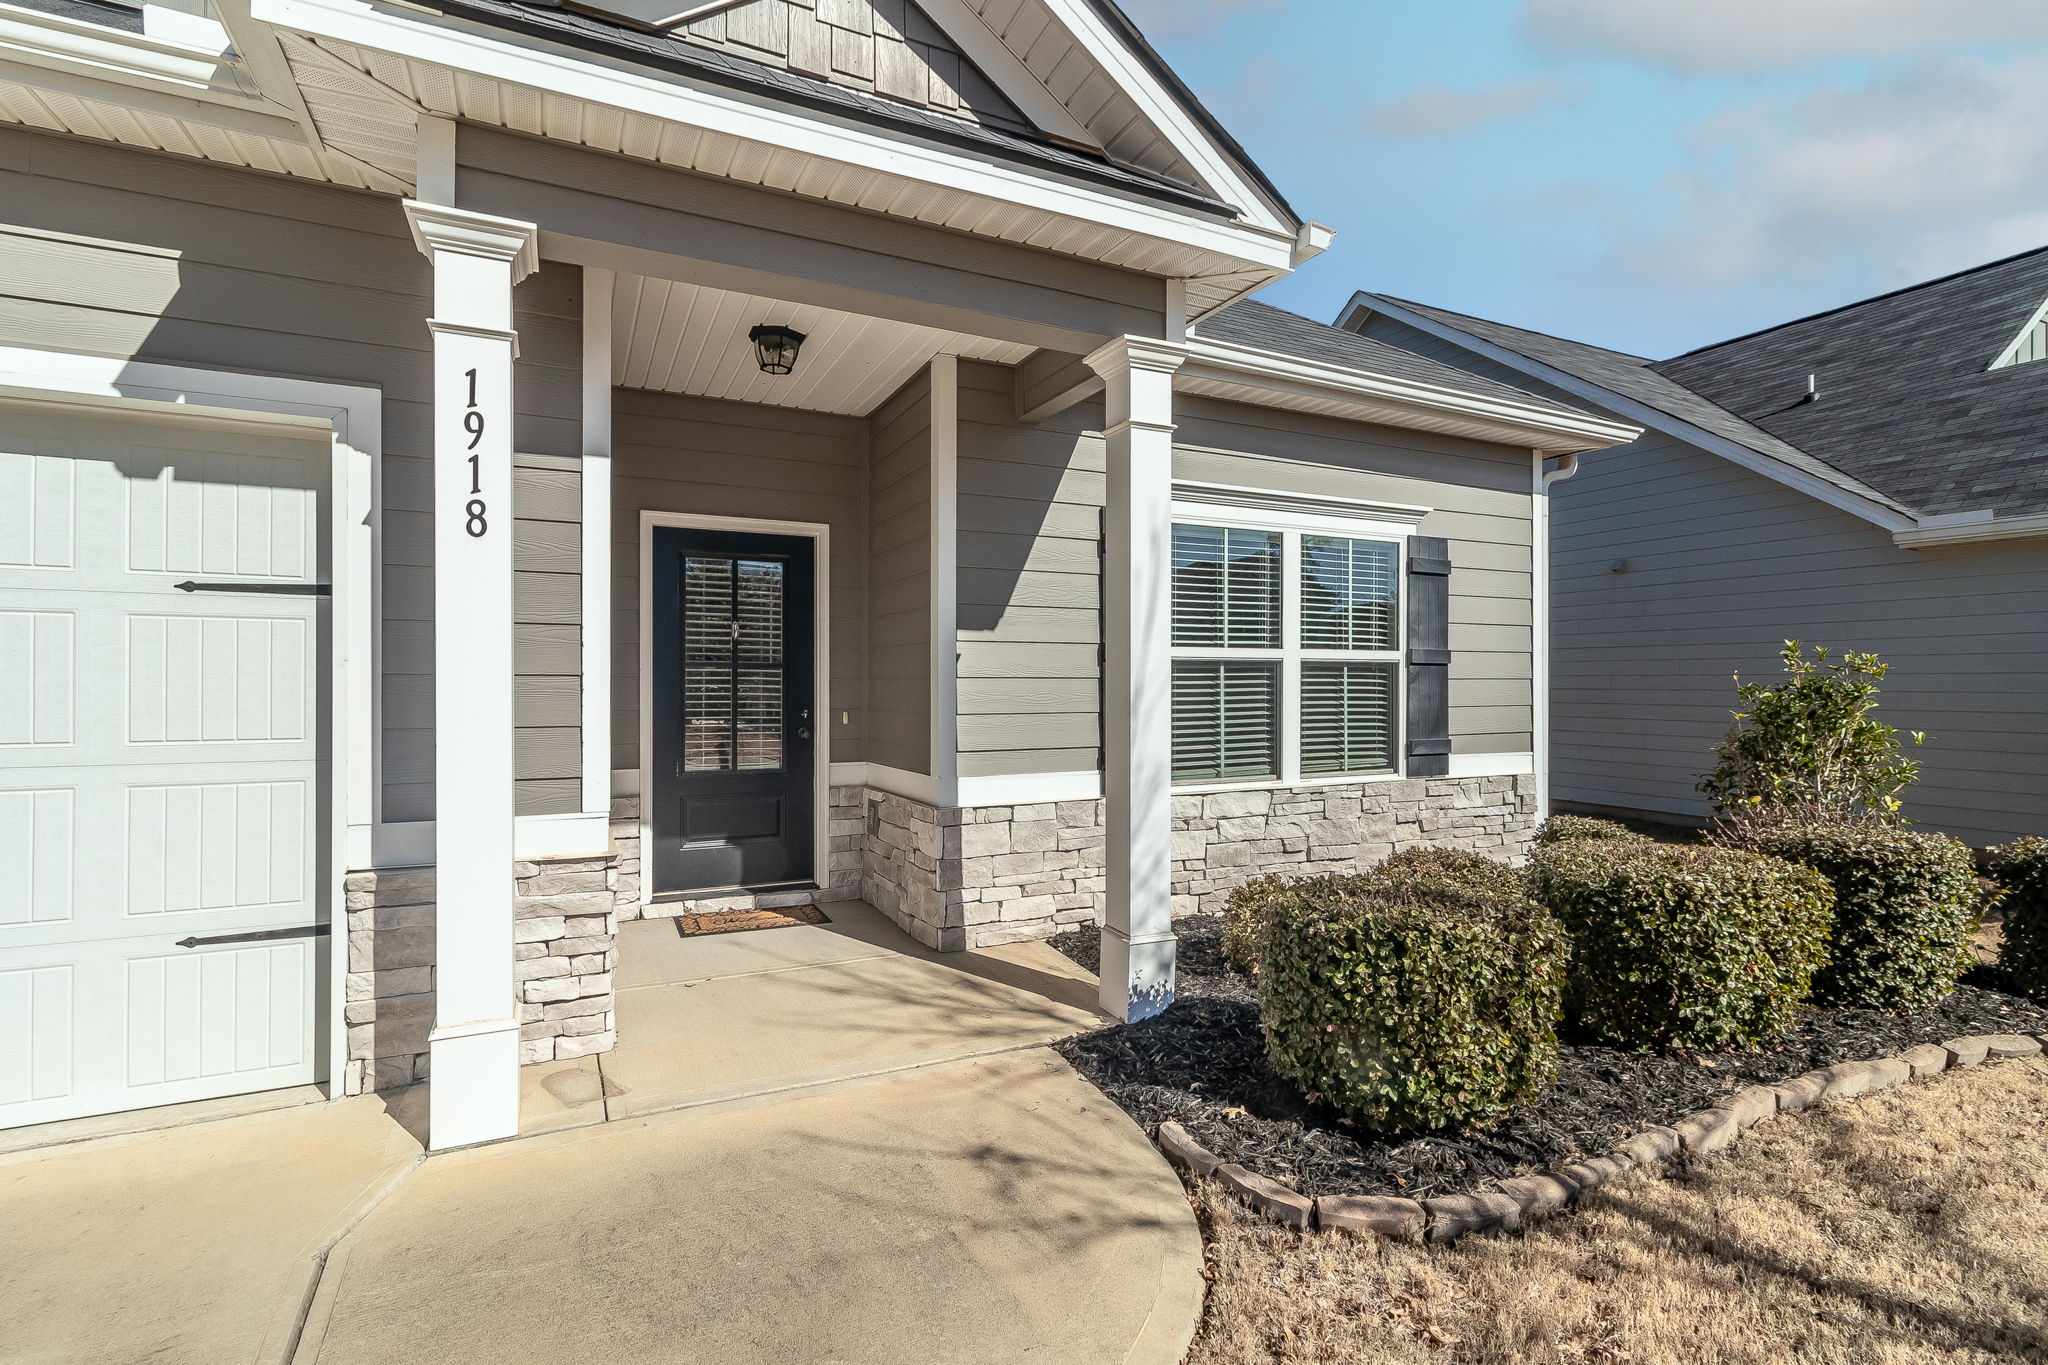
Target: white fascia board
[
  {"x": 236, "y": 113},
  {"x": 478, "y": 50},
  {"x": 1538, "y": 427},
  {"x": 152, "y": 61},
  {"x": 1164, "y": 112},
  {"x": 1870, "y": 510},
  {"x": 1978, "y": 530}
]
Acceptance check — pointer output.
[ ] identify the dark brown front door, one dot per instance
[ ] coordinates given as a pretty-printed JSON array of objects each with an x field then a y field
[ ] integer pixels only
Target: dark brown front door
[{"x": 733, "y": 690}]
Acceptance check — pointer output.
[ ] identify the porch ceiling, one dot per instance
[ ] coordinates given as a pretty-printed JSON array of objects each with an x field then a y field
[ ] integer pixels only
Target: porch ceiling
[{"x": 685, "y": 338}]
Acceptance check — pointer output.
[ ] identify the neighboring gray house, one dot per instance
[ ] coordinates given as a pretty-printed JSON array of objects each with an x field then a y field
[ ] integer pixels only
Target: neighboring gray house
[
  {"x": 472, "y": 472},
  {"x": 1873, "y": 478}
]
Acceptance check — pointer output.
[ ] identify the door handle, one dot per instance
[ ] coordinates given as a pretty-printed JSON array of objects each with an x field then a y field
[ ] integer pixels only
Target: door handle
[{"x": 283, "y": 589}]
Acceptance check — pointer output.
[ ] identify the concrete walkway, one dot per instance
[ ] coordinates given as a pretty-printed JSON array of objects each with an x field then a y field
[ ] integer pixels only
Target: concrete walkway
[{"x": 814, "y": 1144}]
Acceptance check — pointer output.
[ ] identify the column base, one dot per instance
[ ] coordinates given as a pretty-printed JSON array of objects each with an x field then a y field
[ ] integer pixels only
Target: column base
[
  {"x": 473, "y": 1088},
  {"x": 1137, "y": 974}
]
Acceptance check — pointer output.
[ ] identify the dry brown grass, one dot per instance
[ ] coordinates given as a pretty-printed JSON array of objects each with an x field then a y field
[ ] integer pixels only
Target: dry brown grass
[{"x": 1909, "y": 1226}]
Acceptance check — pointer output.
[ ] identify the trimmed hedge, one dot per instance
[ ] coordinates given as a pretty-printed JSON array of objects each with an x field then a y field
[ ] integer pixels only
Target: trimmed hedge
[
  {"x": 1566, "y": 829},
  {"x": 1453, "y": 867},
  {"x": 2021, "y": 870},
  {"x": 1706, "y": 948},
  {"x": 1411, "y": 1005},
  {"x": 1906, "y": 904}
]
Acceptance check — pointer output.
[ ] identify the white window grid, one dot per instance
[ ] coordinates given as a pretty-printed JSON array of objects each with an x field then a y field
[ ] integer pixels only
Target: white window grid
[{"x": 1293, "y": 527}]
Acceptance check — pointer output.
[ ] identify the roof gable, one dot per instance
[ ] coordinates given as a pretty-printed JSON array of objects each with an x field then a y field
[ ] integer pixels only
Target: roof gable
[
  {"x": 2030, "y": 345},
  {"x": 887, "y": 48}
]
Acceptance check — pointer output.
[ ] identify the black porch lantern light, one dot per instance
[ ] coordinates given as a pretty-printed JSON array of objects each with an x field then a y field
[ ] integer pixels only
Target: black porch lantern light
[{"x": 776, "y": 348}]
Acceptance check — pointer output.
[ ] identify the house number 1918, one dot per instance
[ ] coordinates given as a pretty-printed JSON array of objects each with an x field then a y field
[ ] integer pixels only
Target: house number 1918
[{"x": 473, "y": 423}]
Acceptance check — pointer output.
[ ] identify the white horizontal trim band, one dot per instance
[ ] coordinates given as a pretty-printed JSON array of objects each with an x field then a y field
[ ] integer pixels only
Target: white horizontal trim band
[
  {"x": 410, "y": 843},
  {"x": 1965, "y": 532}
]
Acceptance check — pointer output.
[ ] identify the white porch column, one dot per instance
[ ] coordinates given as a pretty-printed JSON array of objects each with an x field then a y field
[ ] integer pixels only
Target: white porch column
[
  {"x": 474, "y": 1085},
  {"x": 1137, "y": 932}
]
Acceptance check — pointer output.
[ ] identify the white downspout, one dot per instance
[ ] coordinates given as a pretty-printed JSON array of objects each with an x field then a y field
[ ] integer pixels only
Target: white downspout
[{"x": 1541, "y": 478}]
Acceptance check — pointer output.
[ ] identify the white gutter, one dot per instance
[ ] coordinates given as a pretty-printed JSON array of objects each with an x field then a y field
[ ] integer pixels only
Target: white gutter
[
  {"x": 1539, "y": 554},
  {"x": 1551, "y": 430},
  {"x": 1966, "y": 528}
]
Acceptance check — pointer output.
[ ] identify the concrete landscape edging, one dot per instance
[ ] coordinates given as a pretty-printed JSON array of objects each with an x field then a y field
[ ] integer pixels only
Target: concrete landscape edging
[{"x": 1513, "y": 1202}]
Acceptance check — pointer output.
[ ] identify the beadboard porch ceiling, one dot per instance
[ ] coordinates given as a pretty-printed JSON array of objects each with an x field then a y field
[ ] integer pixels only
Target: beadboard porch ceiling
[{"x": 684, "y": 338}]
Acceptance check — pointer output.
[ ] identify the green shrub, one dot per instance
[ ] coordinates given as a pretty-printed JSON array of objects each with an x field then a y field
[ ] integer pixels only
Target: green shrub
[
  {"x": 1411, "y": 1005},
  {"x": 1452, "y": 867},
  {"x": 1906, "y": 904},
  {"x": 1807, "y": 750},
  {"x": 2021, "y": 870},
  {"x": 1565, "y": 829},
  {"x": 1684, "y": 947}
]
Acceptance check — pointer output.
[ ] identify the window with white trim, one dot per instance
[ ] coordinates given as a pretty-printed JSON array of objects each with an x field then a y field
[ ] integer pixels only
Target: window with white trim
[{"x": 1287, "y": 639}]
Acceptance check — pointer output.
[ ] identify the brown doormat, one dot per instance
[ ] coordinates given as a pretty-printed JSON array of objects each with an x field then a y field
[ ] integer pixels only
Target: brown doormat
[{"x": 740, "y": 921}]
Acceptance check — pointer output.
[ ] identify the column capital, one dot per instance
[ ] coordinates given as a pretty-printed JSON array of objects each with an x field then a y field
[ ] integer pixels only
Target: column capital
[
  {"x": 438, "y": 227},
  {"x": 1130, "y": 353}
]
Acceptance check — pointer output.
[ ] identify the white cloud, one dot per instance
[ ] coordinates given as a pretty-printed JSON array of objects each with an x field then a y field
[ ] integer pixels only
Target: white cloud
[
  {"x": 1793, "y": 203},
  {"x": 1178, "y": 18},
  {"x": 1752, "y": 35},
  {"x": 1438, "y": 111}
]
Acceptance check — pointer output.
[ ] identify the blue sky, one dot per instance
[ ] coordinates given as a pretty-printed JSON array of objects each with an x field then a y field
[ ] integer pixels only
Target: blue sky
[{"x": 1650, "y": 175}]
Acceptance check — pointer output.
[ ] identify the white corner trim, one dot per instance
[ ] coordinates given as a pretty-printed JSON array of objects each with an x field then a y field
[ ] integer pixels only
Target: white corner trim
[
  {"x": 489, "y": 54},
  {"x": 1318, "y": 505},
  {"x": 943, "y": 541},
  {"x": 353, "y": 417},
  {"x": 1490, "y": 765},
  {"x": 596, "y": 567},
  {"x": 1970, "y": 528},
  {"x": 1870, "y": 509},
  {"x": 1387, "y": 397},
  {"x": 1541, "y": 477},
  {"x": 1030, "y": 789}
]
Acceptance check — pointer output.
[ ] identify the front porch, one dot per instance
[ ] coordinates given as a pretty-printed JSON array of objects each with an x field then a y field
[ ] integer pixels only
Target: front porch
[{"x": 734, "y": 1017}]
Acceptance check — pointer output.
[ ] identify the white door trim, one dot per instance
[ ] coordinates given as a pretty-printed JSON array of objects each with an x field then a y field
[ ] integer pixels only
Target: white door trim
[
  {"x": 352, "y": 415},
  {"x": 821, "y": 768}
]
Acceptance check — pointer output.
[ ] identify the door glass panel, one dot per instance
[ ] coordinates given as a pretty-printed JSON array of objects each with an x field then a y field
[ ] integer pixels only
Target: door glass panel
[{"x": 733, "y": 684}]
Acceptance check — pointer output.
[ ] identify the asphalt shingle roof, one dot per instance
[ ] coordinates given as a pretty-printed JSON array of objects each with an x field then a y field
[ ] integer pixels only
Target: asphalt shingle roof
[
  {"x": 1909, "y": 411},
  {"x": 1634, "y": 376},
  {"x": 1906, "y": 400},
  {"x": 1264, "y": 327},
  {"x": 542, "y": 19}
]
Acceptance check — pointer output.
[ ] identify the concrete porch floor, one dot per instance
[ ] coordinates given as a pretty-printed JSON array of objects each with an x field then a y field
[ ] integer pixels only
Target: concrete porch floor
[
  {"x": 728, "y": 1016},
  {"x": 815, "y": 1143}
]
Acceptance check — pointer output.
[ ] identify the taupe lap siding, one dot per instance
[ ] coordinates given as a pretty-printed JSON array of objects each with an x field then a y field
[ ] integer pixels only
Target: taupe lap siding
[
  {"x": 672, "y": 453},
  {"x": 154, "y": 257},
  {"x": 1030, "y": 509},
  {"x": 899, "y": 580},
  {"x": 1723, "y": 565},
  {"x": 1482, "y": 504}
]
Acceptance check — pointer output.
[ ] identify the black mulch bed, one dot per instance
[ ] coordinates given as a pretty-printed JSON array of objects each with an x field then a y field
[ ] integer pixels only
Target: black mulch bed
[{"x": 1203, "y": 1065}]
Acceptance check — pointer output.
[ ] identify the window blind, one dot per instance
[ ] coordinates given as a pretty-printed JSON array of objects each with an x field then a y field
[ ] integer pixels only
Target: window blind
[
  {"x": 1347, "y": 717},
  {"x": 1350, "y": 593},
  {"x": 1226, "y": 588},
  {"x": 1226, "y": 715}
]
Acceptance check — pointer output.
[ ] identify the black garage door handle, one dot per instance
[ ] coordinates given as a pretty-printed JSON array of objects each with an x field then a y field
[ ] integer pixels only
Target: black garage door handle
[{"x": 261, "y": 936}]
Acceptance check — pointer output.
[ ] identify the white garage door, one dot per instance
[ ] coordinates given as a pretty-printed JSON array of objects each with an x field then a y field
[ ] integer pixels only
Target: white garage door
[{"x": 162, "y": 774}]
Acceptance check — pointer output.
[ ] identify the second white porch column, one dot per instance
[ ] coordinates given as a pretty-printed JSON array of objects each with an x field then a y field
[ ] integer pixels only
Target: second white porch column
[
  {"x": 1137, "y": 930},
  {"x": 473, "y": 1093}
]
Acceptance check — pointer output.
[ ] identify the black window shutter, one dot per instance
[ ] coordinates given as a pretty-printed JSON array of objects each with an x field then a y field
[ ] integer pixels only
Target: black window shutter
[{"x": 1429, "y": 657}]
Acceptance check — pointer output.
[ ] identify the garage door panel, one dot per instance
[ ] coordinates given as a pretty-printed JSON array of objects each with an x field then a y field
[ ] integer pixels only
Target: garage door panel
[
  {"x": 38, "y": 856},
  {"x": 36, "y": 1008},
  {"x": 222, "y": 846},
  {"x": 38, "y": 676},
  {"x": 162, "y": 776},
  {"x": 43, "y": 488}
]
